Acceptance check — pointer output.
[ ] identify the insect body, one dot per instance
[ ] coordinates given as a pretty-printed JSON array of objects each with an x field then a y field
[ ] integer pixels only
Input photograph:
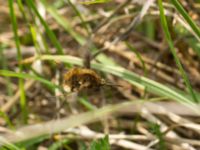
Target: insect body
[{"x": 77, "y": 79}]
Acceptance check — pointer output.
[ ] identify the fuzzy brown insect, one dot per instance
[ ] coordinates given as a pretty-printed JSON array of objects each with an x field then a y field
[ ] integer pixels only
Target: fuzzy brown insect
[{"x": 78, "y": 79}]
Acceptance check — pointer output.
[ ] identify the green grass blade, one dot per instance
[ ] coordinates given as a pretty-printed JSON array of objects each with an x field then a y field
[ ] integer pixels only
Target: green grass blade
[
  {"x": 4, "y": 144},
  {"x": 63, "y": 22},
  {"x": 185, "y": 15},
  {"x": 100, "y": 144},
  {"x": 33, "y": 30},
  {"x": 22, "y": 10},
  {"x": 95, "y": 2},
  {"x": 67, "y": 26},
  {"x": 4, "y": 65},
  {"x": 6, "y": 118},
  {"x": 173, "y": 51},
  {"x": 34, "y": 36},
  {"x": 59, "y": 144},
  {"x": 30, "y": 142},
  {"x": 150, "y": 29},
  {"x": 19, "y": 58},
  {"x": 87, "y": 104},
  {"x": 47, "y": 29},
  {"x": 15, "y": 28},
  {"x": 27, "y": 76},
  {"x": 138, "y": 56},
  {"x": 156, "y": 130},
  {"x": 137, "y": 80},
  {"x": 23, "y": 102}
]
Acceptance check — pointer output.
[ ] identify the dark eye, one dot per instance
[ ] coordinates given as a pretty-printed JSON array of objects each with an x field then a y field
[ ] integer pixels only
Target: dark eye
[
  {"x": 74, "y": 79},
  {"x": 84, "y": 80}
]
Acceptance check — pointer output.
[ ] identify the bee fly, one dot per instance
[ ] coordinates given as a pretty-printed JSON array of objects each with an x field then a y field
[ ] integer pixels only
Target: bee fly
[{"x": 78, "y": 79}]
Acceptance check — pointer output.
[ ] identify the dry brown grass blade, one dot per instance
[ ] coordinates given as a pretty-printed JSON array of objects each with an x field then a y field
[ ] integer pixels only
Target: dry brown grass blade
[{"x": 55, "y": 126}]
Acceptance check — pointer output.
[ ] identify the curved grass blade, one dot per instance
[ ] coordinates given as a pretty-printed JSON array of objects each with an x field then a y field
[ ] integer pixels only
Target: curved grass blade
[
  {"x": 4, "y": 64},
  {"x": 63, "y": 22},
  {"x": 7, "y": 119},
  {"x": 55, "y": 126},
  {"x": 48, "y": 30},
  {"x": 95, "y": 2},
  {"x": 138, "y": 81},
  {"x": 6, "y": 145},
  {"x": 19, "y": 58},
  {"x": 173, "y": 51},
  {"x": 138, "y": 56},
  {"x": 27, "y": 76},
  {"x": 184, "y": 14}
]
